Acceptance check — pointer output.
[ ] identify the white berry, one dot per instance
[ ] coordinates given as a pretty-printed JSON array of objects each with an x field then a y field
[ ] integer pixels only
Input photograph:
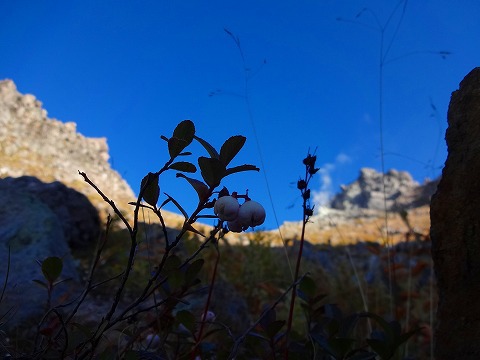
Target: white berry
[
  {"x": 251, "y": 213},
  {"x": 235, "y": 226},
  {"x": 226, "y": 208}
]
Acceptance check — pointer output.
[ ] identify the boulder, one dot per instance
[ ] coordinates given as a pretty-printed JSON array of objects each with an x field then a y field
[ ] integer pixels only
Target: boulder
[
  {"x": 78, "y": 218},
  {"x": 30, "y": 231}
]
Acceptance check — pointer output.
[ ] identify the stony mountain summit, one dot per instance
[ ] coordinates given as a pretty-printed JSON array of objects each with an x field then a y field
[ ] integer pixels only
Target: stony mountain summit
[
  {"x": 401, "y": 192},
  {"x": 357, "y": 213},
  {"x": 35, "y": 145}
]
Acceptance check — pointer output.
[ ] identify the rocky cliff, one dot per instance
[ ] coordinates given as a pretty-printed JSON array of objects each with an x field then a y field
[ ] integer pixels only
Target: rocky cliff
[
  {"x": 401, "y": 192},
  {"x": 33, "y": 144},
  {"x": 358, "y": 213}
]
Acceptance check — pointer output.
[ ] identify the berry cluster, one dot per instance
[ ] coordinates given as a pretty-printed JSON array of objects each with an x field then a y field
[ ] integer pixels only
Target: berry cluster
[{"x": 239, "y": 217}]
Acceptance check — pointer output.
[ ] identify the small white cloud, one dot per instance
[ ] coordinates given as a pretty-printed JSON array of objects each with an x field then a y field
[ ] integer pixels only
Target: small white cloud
[
  {"x": 323, "y": 196},
  {"x": 343, "y": 158}
]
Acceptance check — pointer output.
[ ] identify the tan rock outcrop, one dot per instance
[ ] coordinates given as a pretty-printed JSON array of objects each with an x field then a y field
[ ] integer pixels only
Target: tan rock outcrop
[{"x": 33, "y": 144}]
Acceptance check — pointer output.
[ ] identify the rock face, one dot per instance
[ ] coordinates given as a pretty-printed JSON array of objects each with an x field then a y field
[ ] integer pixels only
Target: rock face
[
  {"x": 32, "y": 144},
  {"x": 455, "y": 228},
  {"x": 77, "y": 217},
  {"x": 366, "y": 192},
  {"x": 357, "y": 213},
  {"x": 33, "y": 230}
]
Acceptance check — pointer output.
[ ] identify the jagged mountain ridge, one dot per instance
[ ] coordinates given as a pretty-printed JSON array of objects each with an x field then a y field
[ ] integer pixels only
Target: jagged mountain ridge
[
  {"x": 366, "y": 192},
  {"x": 362, "y": 211}
]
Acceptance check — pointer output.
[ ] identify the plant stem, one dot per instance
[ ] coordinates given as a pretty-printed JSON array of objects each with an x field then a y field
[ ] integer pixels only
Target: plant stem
[
  {"x": 297, "y": 270},
  {"x": 207, "y": 304}
]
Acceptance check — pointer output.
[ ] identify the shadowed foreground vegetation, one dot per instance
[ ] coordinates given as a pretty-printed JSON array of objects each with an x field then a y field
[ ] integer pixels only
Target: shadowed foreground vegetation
[{"x": 151, "y": 292}]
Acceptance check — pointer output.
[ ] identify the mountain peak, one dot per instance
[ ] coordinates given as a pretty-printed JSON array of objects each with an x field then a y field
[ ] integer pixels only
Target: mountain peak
[{"x": 367, "y": 191}]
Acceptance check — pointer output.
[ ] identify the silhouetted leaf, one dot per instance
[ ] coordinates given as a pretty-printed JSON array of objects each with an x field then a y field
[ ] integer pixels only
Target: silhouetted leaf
[
  {"x": 212, "y": 169},
  {"x": 405, "y": 336},
  {"x": 200, "y": 187},
  {"x": 150, "y": 188},
  {"x": 231, "y": 147},
  {"x": 52, "y": 268},
  {"x": 240, "y": 168},
  {"x": 341, "y": 346},
  {"x": 132, "y": 355},
  {"x": 274, "y": 327},
  {"x": 257, "y": 335},
  {"x": 185, "y": 130},
  {"x": 363, "y": 355},
  {"x": 193, "y": 270},
  {"x": 176, "y": 279},
  {"x": 187, "y": 319},
  {"x": 183, "y": 166},
  {"x": 189, "y": 227},
  {"x": 173, "y": 262},
  {"x": 179, "y": 207},
  {"x": 176, "y": 146},
  {"x": 381, "y": 348},
  {"x": 41, "y": 283},
  {"x": 306, "y": 288},
  {"x": 267, "y": 318},
  {"x": 210, "y": 149}
]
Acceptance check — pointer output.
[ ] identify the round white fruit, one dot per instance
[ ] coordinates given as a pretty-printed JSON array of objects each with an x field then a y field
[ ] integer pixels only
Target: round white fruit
[
  {"x": 226, "y": 208},
  {"x": 251, "y": 214},
  {"x": 235, "y": 226}
]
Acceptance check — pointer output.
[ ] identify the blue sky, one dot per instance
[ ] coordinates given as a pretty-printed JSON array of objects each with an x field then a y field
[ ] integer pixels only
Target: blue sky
[{"x": 131, "y": 70}]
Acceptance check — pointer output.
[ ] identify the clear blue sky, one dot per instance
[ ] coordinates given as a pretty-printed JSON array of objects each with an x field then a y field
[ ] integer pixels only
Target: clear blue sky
[{"x": 131, "y": 70}]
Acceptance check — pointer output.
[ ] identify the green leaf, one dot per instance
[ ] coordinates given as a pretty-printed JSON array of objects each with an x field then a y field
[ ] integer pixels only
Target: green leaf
[
  {"x": 176, "y": 146},
  {"x": 187, "y": 319},
  {"x": 183, "y": 166},
  {"x": 231, "y": 147},
  {"x": 212, "y": 170},
  {"x": 150, "y": 189},
  {"x": 210, "y": 149},
  {"x": 185, "y": 130},
  {"x": 52, "y": 268},
  {"x": 240, "y": 168},
  {"x": 198, "y": 186},
  {"x": 193, "y": 270}
]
